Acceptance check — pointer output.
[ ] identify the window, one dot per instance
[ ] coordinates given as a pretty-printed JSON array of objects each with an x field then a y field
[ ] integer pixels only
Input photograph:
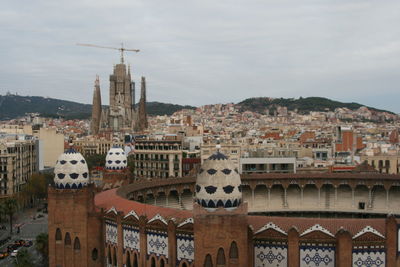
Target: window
[
  {"x": 234, "y": 252},
  {"x": 221, "y": 258},
  {"x": 77, "y": 244},
  {"x": 95, "y": 254},
  {"x": 67, "y": 240},
  {"x": 58, "y": 234},
  {"x": 208, "y": 261},
  {"x": 361, "y": 205}
]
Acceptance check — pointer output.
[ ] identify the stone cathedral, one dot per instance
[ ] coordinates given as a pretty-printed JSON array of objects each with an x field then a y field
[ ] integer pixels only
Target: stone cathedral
[{"x": 121, "y": 115}]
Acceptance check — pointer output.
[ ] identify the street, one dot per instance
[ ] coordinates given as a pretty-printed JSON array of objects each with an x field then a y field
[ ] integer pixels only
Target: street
[{"x": 29, "y": 229}]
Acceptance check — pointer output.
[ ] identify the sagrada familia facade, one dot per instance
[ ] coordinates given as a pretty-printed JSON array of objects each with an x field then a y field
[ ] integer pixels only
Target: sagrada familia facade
[{"x": 121, "y": 115}]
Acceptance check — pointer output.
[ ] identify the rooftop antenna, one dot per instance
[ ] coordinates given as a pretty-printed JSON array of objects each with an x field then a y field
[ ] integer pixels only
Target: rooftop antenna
[{"x": 121, "y": 49}]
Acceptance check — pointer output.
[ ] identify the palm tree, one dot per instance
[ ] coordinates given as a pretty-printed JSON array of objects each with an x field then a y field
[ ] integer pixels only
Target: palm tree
[
  {"x": 42, "y": 246},
  {"x": 10, "y": 207}
]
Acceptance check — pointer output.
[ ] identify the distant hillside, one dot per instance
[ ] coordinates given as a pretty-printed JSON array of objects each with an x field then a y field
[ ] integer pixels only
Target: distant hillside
[
  {"x": 13, "y": 106},
  {"x": 303, "y": 105},
  {"x": 157, "y": 108}
]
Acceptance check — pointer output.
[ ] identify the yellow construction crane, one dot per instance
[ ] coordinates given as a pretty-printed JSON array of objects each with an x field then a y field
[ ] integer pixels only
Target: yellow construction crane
[{"x": 121, "y": 49}]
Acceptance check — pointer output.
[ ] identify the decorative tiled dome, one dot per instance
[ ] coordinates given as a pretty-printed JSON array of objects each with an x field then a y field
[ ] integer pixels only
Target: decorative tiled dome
[
  {"x": 71, "y": 171},
  {"x": 116, "y": 159},
  {"x": 218, "y": 183}
]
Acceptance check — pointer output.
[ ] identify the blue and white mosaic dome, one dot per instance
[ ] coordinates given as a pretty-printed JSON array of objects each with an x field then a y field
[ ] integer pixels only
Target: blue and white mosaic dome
[
  {"x": 71, "y": 171},
  {"x": 218, "y": 183},
  {"x": 116, "y": 159}
]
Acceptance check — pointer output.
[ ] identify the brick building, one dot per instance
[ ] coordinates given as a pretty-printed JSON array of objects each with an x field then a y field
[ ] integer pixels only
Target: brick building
[{"x": 115, "y": 227}]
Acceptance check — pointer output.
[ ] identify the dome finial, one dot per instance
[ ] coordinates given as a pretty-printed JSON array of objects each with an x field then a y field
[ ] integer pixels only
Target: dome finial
[{"x": 218, "y": 146}]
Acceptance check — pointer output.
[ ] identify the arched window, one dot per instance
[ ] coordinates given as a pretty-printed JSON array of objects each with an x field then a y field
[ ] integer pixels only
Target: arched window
[
  {"x": 162, "y": 263},
  {"x": 95, "y": 254},
  {"x": 77, "y": 244},
  {"x": 153, "y": 262},
  {"x": 234, "y": 252},
  {"x": 208, "y": 261},
  {"x": 135, "y": 260},
  {"x": 67, "y": 239},
  {"x": 221, "y": 258},
  {"x": 58, "y": 234},
  {"x": 115, "y": 257},
  {"x": 128, "y": 259},
  {"x": 184, "y": 264},
  {"x": 109, "y": 256}
]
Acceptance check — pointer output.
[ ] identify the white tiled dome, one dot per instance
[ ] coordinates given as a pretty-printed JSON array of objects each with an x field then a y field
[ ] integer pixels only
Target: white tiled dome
[
  {"x": 71, "y": 171},
  {"x": 116, "y": 159},
  {"x": 218, "y": 183}
]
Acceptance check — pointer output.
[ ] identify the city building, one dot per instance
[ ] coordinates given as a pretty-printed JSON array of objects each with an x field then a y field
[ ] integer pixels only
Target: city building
[
  {"x": 18, "y": 161},
  {"x": 157, "y": 158}
]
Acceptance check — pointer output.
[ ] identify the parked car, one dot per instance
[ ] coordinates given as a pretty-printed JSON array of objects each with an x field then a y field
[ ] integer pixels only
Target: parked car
[
  {"x": 4, "y": 254},
  {"x": 12, "y": 247},
  {"x": 14, "y": 253},
  {"x": 28, "y": 243}
]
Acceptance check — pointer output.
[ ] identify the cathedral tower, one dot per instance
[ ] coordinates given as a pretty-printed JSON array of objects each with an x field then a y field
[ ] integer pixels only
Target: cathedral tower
[
  {"x": 121, "y": 109},
  {"x": 142, "y": 123},
  {"x": 73, "y": 224},
  {"x": 221, "y": 228},
  {"x": 96, "y": 108}
]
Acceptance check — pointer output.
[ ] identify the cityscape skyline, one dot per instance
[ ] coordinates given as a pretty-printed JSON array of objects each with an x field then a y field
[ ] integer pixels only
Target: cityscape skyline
[{"x": 223, "y": 53}]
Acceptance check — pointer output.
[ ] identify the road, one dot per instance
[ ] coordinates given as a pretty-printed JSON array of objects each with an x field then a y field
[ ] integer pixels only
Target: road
[{"x": 29, "y": 229}]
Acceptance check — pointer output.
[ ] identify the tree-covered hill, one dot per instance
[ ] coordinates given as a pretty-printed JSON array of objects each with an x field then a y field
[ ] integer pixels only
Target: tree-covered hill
[
  {"x": 14, "y": 106},
  {"x": 303, "y": 105}
]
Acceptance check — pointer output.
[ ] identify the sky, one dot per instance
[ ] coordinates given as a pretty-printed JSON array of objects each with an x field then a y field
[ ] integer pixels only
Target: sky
[{"x": 205, "y": 52}]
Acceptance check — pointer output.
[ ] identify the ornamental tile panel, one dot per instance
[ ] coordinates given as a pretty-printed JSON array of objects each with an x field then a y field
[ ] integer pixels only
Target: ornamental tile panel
[
  {"x": 111, "y": 232},
  {"x": 185, "y": 247},
  {"x": 270, "y": 255},
  {"x": 317, "y": 256},
  {"x": 157, "y": 243},
  {"x": 369, "y": 258},
  {"x": 131, "y": 237}
]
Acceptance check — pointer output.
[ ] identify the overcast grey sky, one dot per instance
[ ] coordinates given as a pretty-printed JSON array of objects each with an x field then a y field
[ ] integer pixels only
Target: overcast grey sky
[{"x": 203, "y": 52}]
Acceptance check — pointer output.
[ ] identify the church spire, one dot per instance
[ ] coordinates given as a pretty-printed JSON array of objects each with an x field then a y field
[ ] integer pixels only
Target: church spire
[{"x": 96, "y": 108}]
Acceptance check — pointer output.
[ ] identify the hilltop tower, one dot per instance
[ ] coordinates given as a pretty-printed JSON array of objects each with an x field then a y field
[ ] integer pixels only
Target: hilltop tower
[
  {"x": 73, "y": 223},
  {"x": 221, "y": 227},
  {"x": 96, "y": 108}
]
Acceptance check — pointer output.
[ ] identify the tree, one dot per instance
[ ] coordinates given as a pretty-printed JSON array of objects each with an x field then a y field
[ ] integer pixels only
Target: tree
[
  {"x": 23, "y": 259},
  {"x": 36, "y": 188},
  {"x": 95, "y": 160},
  {"x": 42, "y": 246},
  {"x": 10, "y": 207}
]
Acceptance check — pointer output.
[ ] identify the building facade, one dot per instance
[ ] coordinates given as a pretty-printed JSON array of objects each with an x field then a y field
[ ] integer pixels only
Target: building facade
[
  {"x": 18, "y": 161},
  {"x": 157, "y": 159}
]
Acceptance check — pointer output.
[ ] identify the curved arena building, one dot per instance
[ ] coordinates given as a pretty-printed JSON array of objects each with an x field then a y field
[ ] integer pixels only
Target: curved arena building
[{"x": 220, "y": 218}]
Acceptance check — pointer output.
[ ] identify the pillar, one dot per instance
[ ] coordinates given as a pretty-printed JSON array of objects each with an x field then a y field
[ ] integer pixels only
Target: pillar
[
  {"x": 391, "y": 242},
  {"x": 293, "y": 248},
  {"x": 370, "y": 197},
  {"x": 344, "y": 249},
  {"x": 285, "y": 204}
]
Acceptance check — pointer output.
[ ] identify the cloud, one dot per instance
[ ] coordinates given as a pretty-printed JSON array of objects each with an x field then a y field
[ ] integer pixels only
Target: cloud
[{"x": 200, "y": 52}]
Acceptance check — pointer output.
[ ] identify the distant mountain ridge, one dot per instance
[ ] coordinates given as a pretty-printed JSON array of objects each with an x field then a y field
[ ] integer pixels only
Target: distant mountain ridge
[
  {"x": 14, "y": 106},
  {"x": 302, "y": 105}
]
